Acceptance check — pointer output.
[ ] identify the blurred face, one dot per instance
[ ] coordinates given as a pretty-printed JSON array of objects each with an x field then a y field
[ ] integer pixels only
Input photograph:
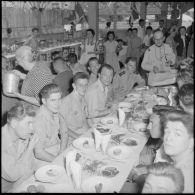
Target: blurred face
[
  {"x": 182, "y": 31},
  {"x": 89, "y": 34},
  {"x": 53, "y": 102},
  {"x": 158, "y": 39},
  {"x": 142, "y": 24},
  {"x": 148, "y": 31},
  {"x": 131, "y": 66},
  {"x": 59, "y": 66},
  {"x": 23, "y": 128},
  {"x": 158, "y": 184},
  {"x": 110, "y": 37},
  {"x": 81, "y": 86},
  {"x": 161, "y": 23},
  {"x": 176, "y": 138},
  {"x": 25, "y": 59},
  {"x": 35, "y": 33},
  {"x": 154, "y": 126},
  {"x": 106, "y": 76},
  {"x": 94, "y": 67},
  {"x": 134, "y": 32}
]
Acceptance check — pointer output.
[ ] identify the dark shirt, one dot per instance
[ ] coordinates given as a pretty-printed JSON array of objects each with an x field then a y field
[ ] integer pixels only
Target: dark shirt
[{"x": 64, "y": 81}]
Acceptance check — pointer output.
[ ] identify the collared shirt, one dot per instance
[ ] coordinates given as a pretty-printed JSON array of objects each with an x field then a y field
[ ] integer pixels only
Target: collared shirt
[
  {"x": 183, "y": 39},
  {"x": 96, "y": 98},
  {"x": 12, "y": 150},
  {"x": 92, "y": 79},
  {"x": 124, "y": 81},
  {"x": 187, "y": 167},
  {"x": 141, "y": 32},
  {"x": 73, "y": 110},
  {"x": 157, "y": 56},
  {"x": 147, "y": 40},
  {"x": 46, "y": 126},
  {"x": 36, "y": 79}
]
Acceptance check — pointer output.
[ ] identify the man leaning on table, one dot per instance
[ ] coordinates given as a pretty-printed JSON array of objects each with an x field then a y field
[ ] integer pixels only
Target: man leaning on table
[
  {"x": 157, "y": 60},
  {"x": 100, "y": 94},
  {"x": 18, "y": 142},
  {"x": 47, "y": 125},
  {"x": 73, "y": 108}
]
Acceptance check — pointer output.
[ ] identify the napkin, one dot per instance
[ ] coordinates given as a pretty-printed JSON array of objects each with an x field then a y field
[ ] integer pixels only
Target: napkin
[
  {"x": 76, "y": 170},
  {"x": 104, "y": 141},
  {"x": 98, "y": 139},
  {"x": 121, "y": 115},
  {"x": 70, "y": 157}
]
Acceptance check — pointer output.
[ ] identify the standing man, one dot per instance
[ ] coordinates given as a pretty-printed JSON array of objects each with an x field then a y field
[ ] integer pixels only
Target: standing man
[
  {"x": 157, "y": 60},
  {"x": 162, "y": 27},
  {"x": 33, "y": 41},
  {"x": 141, "y": 29},
  {"x": 100, "y": 93}
]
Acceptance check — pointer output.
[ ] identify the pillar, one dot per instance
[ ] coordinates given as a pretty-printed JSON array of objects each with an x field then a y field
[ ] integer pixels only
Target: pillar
[{"x": 93, "y": 17}]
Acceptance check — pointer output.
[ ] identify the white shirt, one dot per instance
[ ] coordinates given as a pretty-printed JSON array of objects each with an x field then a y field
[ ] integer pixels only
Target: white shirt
[
  {"x": 141, "y": 32},
  {"x": 183, "y": 38},
  {"x": 147, "y": 39}
]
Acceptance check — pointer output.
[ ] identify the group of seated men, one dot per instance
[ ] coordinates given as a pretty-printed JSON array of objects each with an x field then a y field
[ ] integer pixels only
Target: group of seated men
[{"x": 35, "y": 135}]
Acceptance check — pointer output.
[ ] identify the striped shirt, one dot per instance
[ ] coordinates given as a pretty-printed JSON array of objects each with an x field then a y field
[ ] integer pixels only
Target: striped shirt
[{"x": 36, "y": 79}]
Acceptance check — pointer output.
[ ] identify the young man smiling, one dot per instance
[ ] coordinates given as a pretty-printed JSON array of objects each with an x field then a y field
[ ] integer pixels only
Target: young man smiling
[{"x": 47, "y": 125}]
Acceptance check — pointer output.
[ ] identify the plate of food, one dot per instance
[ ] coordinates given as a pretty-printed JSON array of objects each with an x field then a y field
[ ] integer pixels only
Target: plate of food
[
  {"x": 83, "y": 143},
  {"x": 103, "y": 129},
  {"x": 130, "y": 141},
  {"x": 49, "y": 173},
  {"x": 108, "y": 171},
  {"x": 119, "y": 152},
  {"x": 109, "y": 121},
  {"x": 97, "y": 184}
]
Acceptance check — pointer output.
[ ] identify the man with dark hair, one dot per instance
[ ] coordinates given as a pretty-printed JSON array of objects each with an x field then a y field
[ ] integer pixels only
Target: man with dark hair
[
  {"x": 162, "y": 27},
  {"x": 64, "y": 75},
  {"x": 47, "y": 127},
  {"x": 141, "y": 29},
  {"x": 33, "y": 41},
  {"x": 100, "y": 92},
  {"x": 178, "y": 144},
  {"x": 17, "y": 163},
  {"x": 163, "y": 177},
  {"x": 73, "y": 108},
  {"x": 186, "y": 98}
]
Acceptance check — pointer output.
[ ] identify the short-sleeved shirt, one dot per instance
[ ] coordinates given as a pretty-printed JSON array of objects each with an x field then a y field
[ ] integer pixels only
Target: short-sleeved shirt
[
  {"x": 125, "y": 81},
  {"x": 96, "y": 98},
  {"x": 73, "y": 110},
  {"x": 12, "y": 152},
  {"x": 36, "y": 79},
  {"x": 63, "y": 80},
  {"x": 46, "y": 126}
]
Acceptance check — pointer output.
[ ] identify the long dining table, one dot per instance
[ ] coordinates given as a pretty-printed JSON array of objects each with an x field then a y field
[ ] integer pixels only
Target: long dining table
[{"x": 124, "y": 166}]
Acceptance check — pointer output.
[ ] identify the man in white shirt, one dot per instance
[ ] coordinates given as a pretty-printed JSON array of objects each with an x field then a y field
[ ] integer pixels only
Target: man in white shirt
[
  {"x": 141, "y": 29},
  {"x": 157, "y": 60},
  {"x": 178, "y": 143},
  {"x": 148, "y": 37},
  {"x": 100, "y": 93}
]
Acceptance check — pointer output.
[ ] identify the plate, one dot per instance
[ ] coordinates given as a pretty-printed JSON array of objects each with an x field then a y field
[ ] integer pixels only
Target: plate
[
  {"x": 83, "y": 143},
  {"x": 108, "y": 171},
  {"x": 49, "y": 173},
  {"x": 119, "y": 152},
  {"x": 89, "y": 184},
  {"x": 109, "y": 121},
  {"x": 130, "y": 141}
]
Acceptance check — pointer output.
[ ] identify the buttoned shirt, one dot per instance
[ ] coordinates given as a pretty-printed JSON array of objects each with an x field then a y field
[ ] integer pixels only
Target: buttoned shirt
[
  {"x": 12, "y": 150},
  {"x": 46, "y": 126},
  {"x": 73, "y": 111},
  {"x": 147, "y": 40},
  {"x": 36, "y": 79},
  {"x": 96, "y": 98},
  {"x": 124, "y": 81}
]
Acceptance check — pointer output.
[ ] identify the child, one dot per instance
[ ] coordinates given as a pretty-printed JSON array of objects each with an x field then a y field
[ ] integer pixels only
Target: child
[{"x": 126, "y": 79}]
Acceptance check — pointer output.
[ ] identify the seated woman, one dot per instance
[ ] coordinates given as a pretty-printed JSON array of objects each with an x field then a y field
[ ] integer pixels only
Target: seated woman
[
  {"x": 17, "y": 146},
  {"x": 163, "y": 177},
  {"x": 47, "y": 127}
]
